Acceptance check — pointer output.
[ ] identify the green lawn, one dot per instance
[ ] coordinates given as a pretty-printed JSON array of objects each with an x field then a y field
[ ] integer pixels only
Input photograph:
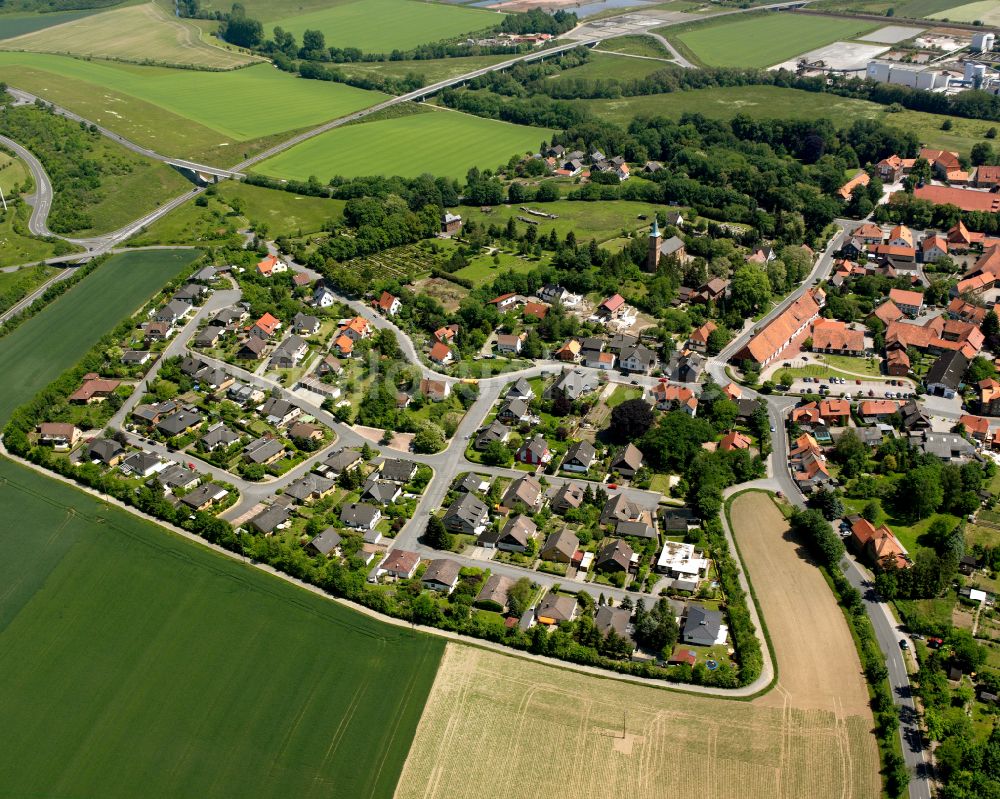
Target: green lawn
[
  {"x": 139, "y": 664},
  {"x": 381, "y": 26},
  {"x": 482, "y": 269},
  {"x": 786, "y": 375},
  {"x": 16, "y": 248},
  {"x": 588, "y": 220},
  {"x": 766, "y": 39},
  {"x": 635, "y": 45},
  {"x": 16, "y": 285},
  {"x": 445, "y": 144},
  {"x": 985, "y": 11},
  {"x": 863, "y": 366},
  {"x": 45, "y": 346},
  {"x": 772, "y": 102},
  {"x": 908, "y": 534},
  {"x": 185, "y": 112},
  {"x": 622, "y": 394}
]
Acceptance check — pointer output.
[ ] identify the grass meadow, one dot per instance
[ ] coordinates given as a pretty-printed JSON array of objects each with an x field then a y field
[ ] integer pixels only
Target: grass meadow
[
  {"x": 605, "y": 66},
  {"x": 588, "y": 220},
  {"x": 133, "y": 33},
  {"x": 768, "y": 102},
  {"x": 41, "y": 349},
  {"x": 139, "y": 664},
  {"x": 20, "y": 24},
  {"x": 443, "y": 143},
  {"x": 185, "y": 112},
  {"x": 381, "y": 26},
  {"x": 635, "y": 45},
  {"x": 984, "y": 11},
  {"x": 432, "y": 69},
  {"x": 765, "y": 39}
]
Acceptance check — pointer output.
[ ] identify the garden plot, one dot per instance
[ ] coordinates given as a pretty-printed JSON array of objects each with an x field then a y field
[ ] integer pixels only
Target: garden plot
[
  {"x": 891, "y": 34},
  {"x": 839, "y": 55}
]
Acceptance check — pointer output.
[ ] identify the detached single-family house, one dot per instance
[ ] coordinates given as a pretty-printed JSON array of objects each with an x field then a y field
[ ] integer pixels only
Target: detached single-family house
[
  {"x": 441, "y": 575},
  {"x": 513, "y": 536},
  {"x": 703, "y": 627},
  {"x": 534, "y": 452},
  {"x": 360, "y": 516},
  {"x": 493, "y": 594},
  {"x": 435, "y": 390},
  {"x": 326, "y": 543},
  {"x": 615, "y": 556},
  {"x": 638, "y": 359},
  {"x": 494, "y": 432},
  {"x": 59, "y": 435},
  {"x": 204, "y": 496},
  {"x": 627, "y": 461},
  {"x": 560, "y": 547},
  {"x": 305, "y": 324},
  {"x": 275, "y": 517},
  {"x": 467, "y": 515},
  {"x": 526, "y": 491},
  {"x": 555, "y": 608},
  {"x": 264, "y": 450},
  {"x": 567, "y": 497},
  {"x": 399, "y": 564},
  {"x": 579, "y": 457},
  {"x": 509, "y": 344},
  {"x": 441, "y": 354},
  {"x": 105, "y": 451},
  {"x": 388, "y": 304}
]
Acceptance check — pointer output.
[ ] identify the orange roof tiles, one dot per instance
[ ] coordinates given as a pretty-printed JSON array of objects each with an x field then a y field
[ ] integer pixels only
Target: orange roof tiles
[
  {"x": 878, "y": 407},
  {"x": 831, "y": 334},
  {"x": 268, "y": 324},
  {"x": 966, "y": 199},
  {"x": 888, "y": 312},
  {"x": 266, "y": 266},
  {"x": 700, "y": 336},
  {"x": 978, "y": 426},
  {"x": 861, "y": 179},
  {"x": 440, "y": 352},
  {"x": 903, "y": 297},
  {"x": 536, "y": 309},
  {"x": 774, "y": 336},
  {"x": 734, "y": 439}
]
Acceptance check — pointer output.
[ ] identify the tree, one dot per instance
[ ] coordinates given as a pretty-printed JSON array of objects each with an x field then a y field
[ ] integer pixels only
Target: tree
[
  {"x": 991, "y": 327},
  {"x": 630, "y": 420},
  {"x": 979, "y": 368},
  {"x": 871, "y": 510},
  {"x": 851, "y": 454},
  {"x": 497, "y": 454},
  {"x": 519, "y": 595},
  {"x": 429, "y": 438},
  {"x": 819, "y": 536},
  {"x": 828, "y": 503},
  {"x": 436, "y": 534},
  {"x": 919, "y": 493},
  {"x": 241, "y": 30},
  {"x": 656, "y": 630},
  {"x": 749, "y": 291},
  {"x": 426, "y": 610}
]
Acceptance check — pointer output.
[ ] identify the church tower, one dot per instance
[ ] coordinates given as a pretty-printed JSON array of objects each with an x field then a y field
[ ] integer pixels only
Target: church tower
[{"x": 653, "y": 256}]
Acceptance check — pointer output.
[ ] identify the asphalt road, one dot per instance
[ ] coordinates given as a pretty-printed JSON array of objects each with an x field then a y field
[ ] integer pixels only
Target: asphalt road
[{"x": 41, "y": 200}]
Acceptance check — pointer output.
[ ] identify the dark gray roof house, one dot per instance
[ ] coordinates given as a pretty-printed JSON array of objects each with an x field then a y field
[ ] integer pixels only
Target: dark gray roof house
[
  {"x": 142, "y": 464},
  {"x": 343, "y": 460},
  {"x": 495, "y": 432},
  {"x": 136, "y": 357},
  {"x": 268, "y": 520},
  {"x": 468, "y": 514},
  {"x": 309, "y": 487},
  {"x": 204, "y": 495},
  {"x": 380, "y": 491},
  {"x": 568, "y": 495},
  {"x": 945, "y": 375},
  {"x": 263, "y": 450},
  {"x": 521, "y": 389},
  {"x": 702, "y": 627},
  {"x": 470, "y": 483},
  {"x": 620, "y": 508},
  {"x": 608, "y": 618},
  {"x": 627, "y": 461},
  {"x": 176, "y": 477},
  {"x": 494, "y": 592},
  {"x": 398, "y": 470},
  {"x": 637, "y": 529},
  {"x": 360, "y": 515},
  {"x": 672, "y": 246},
  {"x": 305, "y": 324},
  {"x": 441, "y": 575},
  {"x": 208, "y": 336},
  {"x": 105, "y": 450},
  {"x": 579, "y": 457},
  {"x": 560, "y": 547},
  {"x": 555, "y": 608},
  {"x": 516, "y": 533},
  {"x": 278, "y": 411},
  {"x": 178, "y": 423},
  {"x": 614, "y": 556},
  {"x": 218, "y": 436},
  {"x": 572, "y": 384},
  {"x": 325, "y": 543}
]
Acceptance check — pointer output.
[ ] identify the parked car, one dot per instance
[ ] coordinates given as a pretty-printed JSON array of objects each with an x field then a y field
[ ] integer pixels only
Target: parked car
[{"x": 904, "y": 644}]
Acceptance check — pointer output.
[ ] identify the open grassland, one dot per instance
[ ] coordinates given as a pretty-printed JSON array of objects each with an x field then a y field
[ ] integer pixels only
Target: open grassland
[
  {"x": 537, "y": 731},
  {"x": 14, "y": 286},
  {"x": 139, "y": 664},
  {"x": 598, "y": 220},
  {"x": 605, "y": 66},
  {"x": 766, "y": 39},
  {"x": 445, "y": 144},
  {"x": 41, "y": 349},
  {"x": 381, "y": 26},
  {"x": 431, "y": 69},
  {"x": 233, "y": 206},
  {"x": 985, "y": 11},
  {"x": 912, "y": 9},
  {"x": 132, "y": 33},
  {"x": 818, "y": 664},
  {"x": 772, "y": 102},
  {"x": 635, "y": 45},
  {"x": 12, "y": 25},
  {"x": 13, "y": 173},
  {"x": 17, "y": 246},
  {"x": 185, "y": 112}
]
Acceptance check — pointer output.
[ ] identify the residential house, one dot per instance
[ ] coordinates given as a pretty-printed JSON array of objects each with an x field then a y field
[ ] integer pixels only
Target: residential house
[
  {"x": 265, "y": 327},
  {"x": 323, "y": 297},
  {"x": 875, "y": 411},
  {"x": 808, "y": 463},
  {"x": 271, "y": 265},
  {"x": 208, "y": 336},
  {"x": 397, "y": 470},
  {"x": 534, "y": 452},
  {"x": 910, "y": 303},
  {"x": 388, "y": 304},
  {"x": 520, "y": 389},
  {"x": 179, "y": 423},
  {"x": 570, "y": 351},
  {"x": 877, "y": 544},
  {"x": 59, "y": 435},
  {"x": 734, "y": 439},
  {"x": 535, "y": 310},
  {"x": 514, "y": 411},
  {"x": 551, "y": 293},
  {"x": 579, "y": 457},
  {"x": 305, "y": 324},
  {"x": 572, "y": 384},
  {"x": 513, "y": 536},
  {"x": 289, "y": 353},
  {"x": 888, "y": 312},
  {"x": 325, "y": 544},
  {"x": 343, "y": 461},
  {"x": 703, "y": 627},
  {"x": 450, "y": 223},
  {"x": 609, "y": 619},
  {"x": 914, "y": 417},
  {"x": 989, "y": 397},
  {"x": 669, "y": 397},
  {"x": 614, "y": 556},
  {"x": 441, "y": 575},
  {"x": 526, "y": 491},
  {"x": 833, "y": 336},
  {"x": 897, "y": 363},
  {"x": 494, "y": 432},
  {"x": 890, "y": 170},
  {"x": 94, "y": 389},
  {"x": 977, "y": 426},
  {"x": 305, "y": 431},
  {"x": 136, "y": 357},
  {"x": 219, "y": 436},
  {"x": 555, "y": 608},
  {"x": 398, "y": 564},
  {"x": 493, "y": 594},
  {"x": 360, "y": 516},
  {"x": 619, "y": 508},
  {"x": 158, "y": 331},
  {"x": 435, "y": 390},
  {"x": 567, "y": 497},
  {"x": 142, "y": 464},
  {"x": 105, "y": 451},
  {"x": 275, "y": 517},
  {"x": 611, "y": 308},
  {"x": 310, "y": 488},
  {"x": 847, "y": 190},
  {"x": 279, "y": 412},
  {"x": 869, "y": 233},
  {"x": 204, "y": 496},
  {"x": 698, "y": 341},
  {"x": 467, "y": 515},
  {"x": 560, "y": 547},
  {"x": 686, "y": 367},
  {"x": 933, "y": 247},
  {"x": 252, "y": 349},
  {"x": 447, "y": 334},
  {"x": 509, "y": 344},
  {"x": 506, "y": 301},
  {"x": 329, "y": 366},
  {"x": 264, "y": 451},
  {"x": 441, "y": 354},
  {"x": 175, "y": 478},
  {"x": 472, "y": 483},
  {"x": 639, "y": 359},
  {"x": 949, "y": 447},
  {"x": 627, "y": 461},
  {"x": 945, "y": 375}
]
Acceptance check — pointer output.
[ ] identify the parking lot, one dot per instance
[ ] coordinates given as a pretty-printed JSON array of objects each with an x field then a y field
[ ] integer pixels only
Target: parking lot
[{"x": 857, "y": 389}]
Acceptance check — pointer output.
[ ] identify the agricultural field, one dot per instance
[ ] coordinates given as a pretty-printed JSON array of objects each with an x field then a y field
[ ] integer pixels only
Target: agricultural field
[
  {"x": 138, "y": 33},
  {"x": 773, "y": 102},
  {"x": 588, "y": 220},
  {"x": 564, "y": 730},
  {"x": 764, "y": 40},
  {"x": 444, "y": 143},
  {"x": 12, "y": 25},
  {"x": 645, "y": 46},
  {"x": 138, "y": 663},
  {"x": 985, "y": 11},
  {"x": 912, "y": 9},
  {"x": 220, "y": 117},
  {"x": 41, "y": 349},
  {"x": 381, "y": 26},
  {"x": 284, "y": 213}
]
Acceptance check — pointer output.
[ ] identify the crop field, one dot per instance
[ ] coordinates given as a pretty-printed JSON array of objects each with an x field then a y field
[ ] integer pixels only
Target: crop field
[
  {"x": 185, "y": 112},
  {"x": 445, "y": 144},
  {"x": 773, "y": 102},
  {"x": 381, "y": 26},
  {"x": 20, "y": 24},
  {"x": 564, "y": 732},
  {"x": 284, "y": 213},
  {"x": 766, "y": 39},
  {"x": 985, "y": 11},
  {"x": 139, "y": 664},
  {"x": 589, "y": 220},
  {"x": 133, "y": 33},
  {"x": 41, "y": 349}
]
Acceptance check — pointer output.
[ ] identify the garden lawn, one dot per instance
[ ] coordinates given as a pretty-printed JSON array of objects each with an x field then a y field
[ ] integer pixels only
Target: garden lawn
[
  {"x": 908, "y": 534},
  {"x": 48, "y": 344},
  {"x": 766, "y": 39},
  {"x": 588, "y": 220},
  {"x": 137, "y": 663},
  {"x": 134, "y": 33},
  {"x": 846, "y": 363},
  {"x": 482, "y": 269},
  {"x": 185, "y": 112},
  {"x": 381, "y": 26},
  {"x": 444, "y": 144}
]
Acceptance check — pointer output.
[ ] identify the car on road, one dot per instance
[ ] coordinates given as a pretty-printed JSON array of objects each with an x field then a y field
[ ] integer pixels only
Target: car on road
[
  {"x": 904, "y": 644},
  {"x": 635, "y": 382},
  {"x": 772, "y": 428}
]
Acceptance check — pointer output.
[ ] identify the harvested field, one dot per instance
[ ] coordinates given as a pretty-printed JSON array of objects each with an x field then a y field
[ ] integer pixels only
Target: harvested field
[
  {"x": 817, "y": 663},
  {"x": 538, "y": 731}
]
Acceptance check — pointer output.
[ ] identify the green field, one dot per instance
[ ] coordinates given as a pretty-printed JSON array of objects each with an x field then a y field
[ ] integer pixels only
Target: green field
[
  {"x": 14, "y": 286},
  {"x": 985, "y": 11},
  {"x": 766, "y": 39},
  {"x": 136, "y": 663},
  {"x": 588, "y": 220},
  {"x": 635, "y": 45},
  {"x": 443, "y": 143},
  {"x": 12, "y": 25},
  {"x": 604, "y": 66},
  {"x": 284, "y": 213},
  {"x": 381, "y": 26},
  {"x": 431, "y": 69},
  {"x": 45, "y": 346},
  {"x": 772, "y": 102},
  {"x": 136, "y": 33},
  {"x": 185, "y": 112}
]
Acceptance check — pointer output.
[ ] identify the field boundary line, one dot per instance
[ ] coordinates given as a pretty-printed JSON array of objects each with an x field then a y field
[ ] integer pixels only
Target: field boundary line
[{"x": 730, "y": 694}]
